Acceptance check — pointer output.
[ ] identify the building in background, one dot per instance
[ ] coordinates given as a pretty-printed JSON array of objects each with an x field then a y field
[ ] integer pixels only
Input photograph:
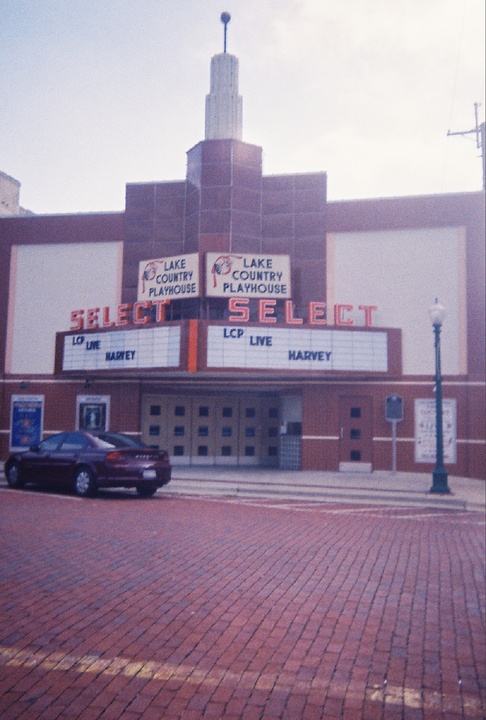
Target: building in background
[
  {"x": 236, "y": 318},
  {"x": 10, "y": 196}
]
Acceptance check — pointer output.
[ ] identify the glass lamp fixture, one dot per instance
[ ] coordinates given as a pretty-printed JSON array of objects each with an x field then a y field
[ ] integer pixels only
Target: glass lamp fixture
[{"x": 437, "y": 313}]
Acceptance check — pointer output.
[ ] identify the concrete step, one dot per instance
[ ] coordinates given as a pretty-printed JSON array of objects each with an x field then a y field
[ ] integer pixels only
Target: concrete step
[
  {"x": 246, "y": 488},
  {"x": 378, "y": 488}
]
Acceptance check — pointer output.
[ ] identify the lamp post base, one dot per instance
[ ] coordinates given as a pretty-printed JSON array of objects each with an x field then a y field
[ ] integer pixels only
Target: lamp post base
[{"x": 439, "y": 481}]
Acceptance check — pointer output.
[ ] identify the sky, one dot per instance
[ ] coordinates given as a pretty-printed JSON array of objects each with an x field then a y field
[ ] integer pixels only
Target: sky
[{"x": 95, "y": 94}]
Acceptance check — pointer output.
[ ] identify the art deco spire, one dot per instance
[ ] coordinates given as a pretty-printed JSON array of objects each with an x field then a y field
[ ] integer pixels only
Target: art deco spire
[{"x": 224, "y": 107}]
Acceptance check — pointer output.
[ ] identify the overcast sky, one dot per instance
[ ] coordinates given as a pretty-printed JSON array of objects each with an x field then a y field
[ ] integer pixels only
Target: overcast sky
[{"x": 98, "y": 93}]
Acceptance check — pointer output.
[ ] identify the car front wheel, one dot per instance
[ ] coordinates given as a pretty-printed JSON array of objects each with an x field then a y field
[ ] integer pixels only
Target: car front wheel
[
  {"x": 13, "y": 476},
  {"x": 84, "y": 482}
]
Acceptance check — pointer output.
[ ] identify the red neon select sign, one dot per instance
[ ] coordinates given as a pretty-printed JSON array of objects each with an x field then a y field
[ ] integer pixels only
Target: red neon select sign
[{"x": 140, "y": 313}]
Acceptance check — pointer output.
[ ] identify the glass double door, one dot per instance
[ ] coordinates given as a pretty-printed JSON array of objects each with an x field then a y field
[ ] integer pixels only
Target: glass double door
[{"x": 213, "y": 430}]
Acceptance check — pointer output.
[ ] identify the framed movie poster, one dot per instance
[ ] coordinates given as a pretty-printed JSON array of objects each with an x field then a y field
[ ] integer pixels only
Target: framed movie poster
[
  {"x": 26, "y": 420},
  {"x": 92, "y": 412}
]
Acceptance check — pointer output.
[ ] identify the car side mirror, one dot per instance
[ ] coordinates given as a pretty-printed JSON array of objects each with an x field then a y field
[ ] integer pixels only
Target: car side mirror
[{"x": 34, "y": 448}]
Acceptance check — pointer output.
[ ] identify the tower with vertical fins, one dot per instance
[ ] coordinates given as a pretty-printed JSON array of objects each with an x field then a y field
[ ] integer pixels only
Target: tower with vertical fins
[
  {"x": 224, "y": 106},
  {"x": 227, "y": 205}
]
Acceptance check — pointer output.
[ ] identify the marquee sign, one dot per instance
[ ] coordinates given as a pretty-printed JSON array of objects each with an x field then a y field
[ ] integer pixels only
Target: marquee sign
[
  {"x": 247, "y": 275},
  {"x": 198, "y": 346},
  {"x": 155, "y": 347},
  {"x": 296, "y": 349},
  {"x": 170, "y": 278}
]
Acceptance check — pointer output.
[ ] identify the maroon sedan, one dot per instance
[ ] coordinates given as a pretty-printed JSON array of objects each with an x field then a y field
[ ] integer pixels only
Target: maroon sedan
[{"x": 86, "y": 461}]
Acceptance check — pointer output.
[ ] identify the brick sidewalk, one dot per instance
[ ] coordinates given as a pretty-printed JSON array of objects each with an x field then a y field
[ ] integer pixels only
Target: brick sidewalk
[{"x": 125, "y": 609}]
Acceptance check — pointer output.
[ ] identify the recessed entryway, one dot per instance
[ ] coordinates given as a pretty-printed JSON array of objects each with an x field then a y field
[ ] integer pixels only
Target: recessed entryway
[{"x": 213, "y": 430}]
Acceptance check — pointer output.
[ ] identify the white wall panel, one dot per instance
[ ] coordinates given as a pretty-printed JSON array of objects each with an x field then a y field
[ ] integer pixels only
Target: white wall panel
[
  {"x": 402, "y": 272},
  {"x": 47, "y": 283}
]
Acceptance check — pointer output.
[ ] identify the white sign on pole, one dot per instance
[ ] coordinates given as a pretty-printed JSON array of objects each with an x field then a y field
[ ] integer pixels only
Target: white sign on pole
[
  {"x": 170, "y": 278},
  {"x": 247, "y": 275},
  {"x": 425, "y": 431}
]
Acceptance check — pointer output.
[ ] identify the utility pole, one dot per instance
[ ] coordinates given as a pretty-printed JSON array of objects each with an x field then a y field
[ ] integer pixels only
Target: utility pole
[{"x": 479, "y": 131}]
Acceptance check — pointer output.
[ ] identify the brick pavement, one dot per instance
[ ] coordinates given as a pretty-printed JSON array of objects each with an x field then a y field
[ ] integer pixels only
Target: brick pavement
[{"x": 118, "y": 608}]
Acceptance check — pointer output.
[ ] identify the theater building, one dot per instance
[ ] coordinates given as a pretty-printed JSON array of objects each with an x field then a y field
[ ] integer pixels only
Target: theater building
[{"x": 236, "y": 318}]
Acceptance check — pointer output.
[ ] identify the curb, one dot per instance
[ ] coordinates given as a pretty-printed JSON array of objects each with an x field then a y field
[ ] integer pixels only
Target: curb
[{"x": 315, "y": 494}]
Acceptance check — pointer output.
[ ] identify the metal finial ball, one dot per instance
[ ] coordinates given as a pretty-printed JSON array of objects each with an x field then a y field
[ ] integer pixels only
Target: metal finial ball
[{"x": 225, "y": 18}]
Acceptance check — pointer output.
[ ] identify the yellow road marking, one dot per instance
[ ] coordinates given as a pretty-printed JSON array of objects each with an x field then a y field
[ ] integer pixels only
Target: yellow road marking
[{"x": 163, "y": 671}]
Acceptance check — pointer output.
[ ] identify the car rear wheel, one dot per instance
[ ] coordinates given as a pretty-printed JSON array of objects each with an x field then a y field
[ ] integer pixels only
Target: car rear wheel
[
  {"x": 14, "y": 478},
  {"x": 146, "y": 491},
  {"x": 84, "y": 482}
]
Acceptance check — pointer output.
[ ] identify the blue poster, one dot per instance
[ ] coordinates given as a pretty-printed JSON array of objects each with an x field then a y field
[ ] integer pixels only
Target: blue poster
[{"x": 26, "y": 421}]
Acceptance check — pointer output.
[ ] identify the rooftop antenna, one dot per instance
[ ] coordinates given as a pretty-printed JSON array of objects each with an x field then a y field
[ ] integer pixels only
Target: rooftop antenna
[
  {"x": 479, "y": 131},
  {"x": 225, "y": 18}
]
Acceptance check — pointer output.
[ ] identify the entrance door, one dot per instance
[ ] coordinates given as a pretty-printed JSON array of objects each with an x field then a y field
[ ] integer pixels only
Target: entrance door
[
  {"x": 226, "y": 431},
  {"x": 356, "y": 433},
  {"x": 269, "y": 431},
  {"x": 213, "y": 430},
  {"x": 167, "y": 425}
]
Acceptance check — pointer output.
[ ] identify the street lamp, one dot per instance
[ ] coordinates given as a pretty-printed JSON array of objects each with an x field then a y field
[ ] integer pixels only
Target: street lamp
[{"x": 439, "y": 476}]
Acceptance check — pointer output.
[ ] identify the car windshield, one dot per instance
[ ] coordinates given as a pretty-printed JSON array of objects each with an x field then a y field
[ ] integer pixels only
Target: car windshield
[
  {"x": 115, "y": 440},
  {"x": 50, "y": 444}
]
